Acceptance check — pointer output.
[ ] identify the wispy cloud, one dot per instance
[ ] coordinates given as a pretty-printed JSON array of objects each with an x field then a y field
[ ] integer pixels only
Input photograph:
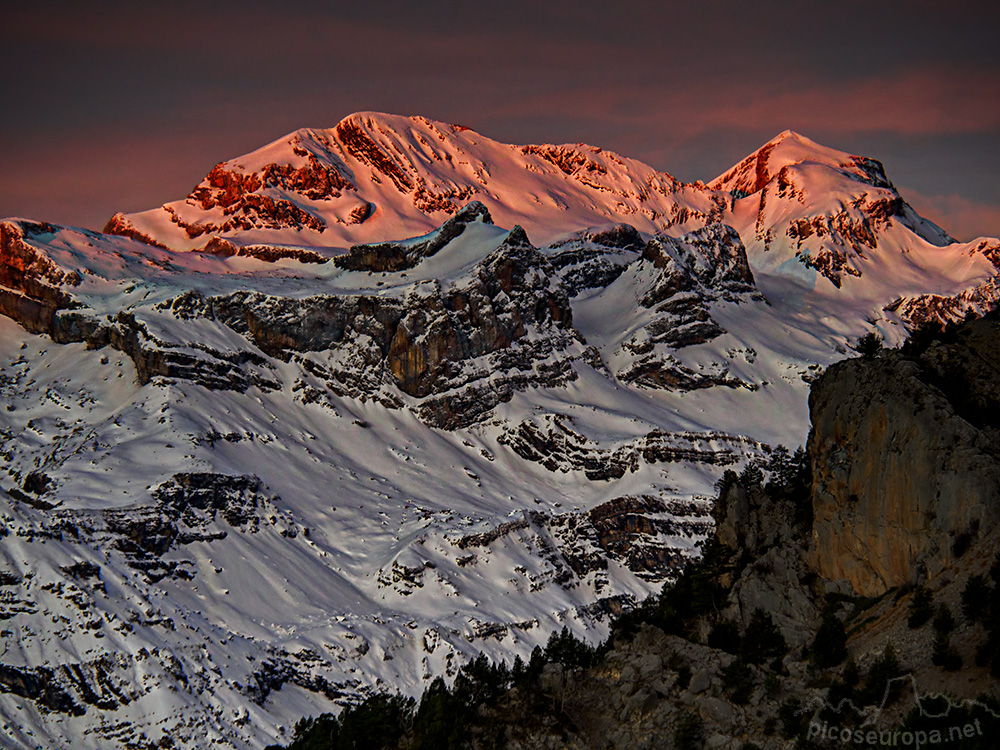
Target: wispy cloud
[
  {"x": 908, "y": 102},
  {"x": 962, "y": 217}
]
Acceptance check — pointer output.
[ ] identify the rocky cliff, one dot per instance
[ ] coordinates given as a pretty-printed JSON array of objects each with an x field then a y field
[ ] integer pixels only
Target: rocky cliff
[
  {"x": 678, "y": 280},
  {"x": 929, "y": 414}
]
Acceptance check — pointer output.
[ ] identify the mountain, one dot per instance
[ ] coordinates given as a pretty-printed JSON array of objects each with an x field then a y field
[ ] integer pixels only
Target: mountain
[
  {"x": 375, "y": 177},
  {"x": 267, "y": 458},
  {"x": 803, "y": 210},
  {"x": 851, "y": 595}
]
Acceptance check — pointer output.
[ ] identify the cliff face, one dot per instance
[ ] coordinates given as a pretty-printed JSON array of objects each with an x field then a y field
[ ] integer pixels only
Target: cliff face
[
  {"x": 680, "y": 279},
  {"x": 505, "y": 318},
  {"x": 936, "y": 484},
  {"x": 460, "y": 346},
  {"x": 30, "y": 283}
]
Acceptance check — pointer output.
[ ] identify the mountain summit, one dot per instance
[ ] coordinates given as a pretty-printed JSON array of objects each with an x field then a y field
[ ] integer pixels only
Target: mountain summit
[
  {"x": 789, "y": 149},
  {"x": 376, "y": 176}
]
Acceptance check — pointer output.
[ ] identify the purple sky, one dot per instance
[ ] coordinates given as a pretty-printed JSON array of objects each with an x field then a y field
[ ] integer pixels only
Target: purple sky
[{"x": 124, "y": 106}]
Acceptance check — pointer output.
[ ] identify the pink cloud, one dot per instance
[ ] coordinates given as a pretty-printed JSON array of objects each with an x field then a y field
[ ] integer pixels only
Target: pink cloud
[
  {"x": 963, "y": 218},
  {"x": 912, "y": 102}
]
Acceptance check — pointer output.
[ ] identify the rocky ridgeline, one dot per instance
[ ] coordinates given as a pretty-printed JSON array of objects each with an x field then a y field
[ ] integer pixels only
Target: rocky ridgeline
[
  {"x": 791, "y": 200},
  {"x": 400, "y": 256},
  {"x": 592, "y": 259},
  {"x": 39, "y": 294},
  {"x": 338, "y": 185},
  {"x": 432, "y": 345},
  {"x": 244, "y": 202},
  {"x": 678, "y": 281},
  {"x": 834, "y": 233},
  {"x": 508, "y": 320},
  {"x": 755, "y": 171},
  {"x": 923, "y": 309},
  {"x": 227, "y": 248},
  {"x": 451, "y": 354},
  {"x": 552, "y": 442},
  {"x": 310, "y": 185}
]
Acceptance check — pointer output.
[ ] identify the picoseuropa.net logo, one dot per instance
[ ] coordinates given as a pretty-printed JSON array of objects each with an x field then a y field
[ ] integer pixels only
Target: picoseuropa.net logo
[
  {"x": 906, "y": 738},
  {"x": 935, "y": 720}
]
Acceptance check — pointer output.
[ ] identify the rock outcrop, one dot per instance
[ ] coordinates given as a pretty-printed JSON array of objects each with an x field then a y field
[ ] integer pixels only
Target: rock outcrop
[
  {"x": 898, "y": 520},
  {"x": 399, "y": 256},
  {"x": 678, "y": 280},
  {"x": 226, "y": 248},
  {"x": 769, "y": 531},
  {"x": 187, "y": 508},
  {"x": 32, "y": 286},
  {"x": 72, "y": 688},
  {"x": 592, "y": 259},
  {"x": 576, "y": 548},
  {"x": 553, "y": 443}
]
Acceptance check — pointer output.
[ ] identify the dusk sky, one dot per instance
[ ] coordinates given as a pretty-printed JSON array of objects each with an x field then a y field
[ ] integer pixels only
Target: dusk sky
[{"x": 125, "y": 106}]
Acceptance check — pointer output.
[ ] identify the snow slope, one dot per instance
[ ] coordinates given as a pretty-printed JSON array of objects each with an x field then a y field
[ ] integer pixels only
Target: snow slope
[{"x": 374, "y": 177}]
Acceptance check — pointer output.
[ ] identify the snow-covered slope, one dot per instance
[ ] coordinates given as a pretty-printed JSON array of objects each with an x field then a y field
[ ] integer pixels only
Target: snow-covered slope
[
  {"x": 375, "y": 177},
  {"x": 248, "y": 484},
  {"x": 802, "y": 210},
  {"x": 834, "y": 222}
]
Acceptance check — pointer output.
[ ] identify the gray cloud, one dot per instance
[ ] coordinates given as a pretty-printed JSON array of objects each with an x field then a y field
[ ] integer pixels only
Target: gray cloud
[{"x": 123, "y": 106}]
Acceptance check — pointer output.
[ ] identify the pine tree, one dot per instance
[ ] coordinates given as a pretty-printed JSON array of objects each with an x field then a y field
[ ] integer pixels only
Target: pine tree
[
  {"x": 921, "y": 608},
  {"x": 830, "y": 645}
]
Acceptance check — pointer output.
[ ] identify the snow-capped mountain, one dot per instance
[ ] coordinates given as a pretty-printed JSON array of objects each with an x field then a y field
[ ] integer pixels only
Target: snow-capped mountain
[
  {"x": 377, "y": 398},
  {"x": 375, "y": 177}
]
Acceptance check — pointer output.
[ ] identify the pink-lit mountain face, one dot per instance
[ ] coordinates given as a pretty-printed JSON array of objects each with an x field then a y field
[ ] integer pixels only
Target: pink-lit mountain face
[
  {"x": 375, "y": 177},
  {"x": 374, "y": 399}
]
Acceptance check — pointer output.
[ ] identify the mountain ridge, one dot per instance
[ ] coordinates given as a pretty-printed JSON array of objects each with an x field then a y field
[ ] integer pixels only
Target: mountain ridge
[
  {"x": 397, "y": 171},
  {"x": 375, "y": 177}
]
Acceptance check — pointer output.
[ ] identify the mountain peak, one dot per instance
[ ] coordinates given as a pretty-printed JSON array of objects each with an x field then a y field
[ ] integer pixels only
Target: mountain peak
[
  {"x": 375, "y": 119},
  {"x": 789, "y": 148},
  {"x": 377, "y": 176},
  {"x": 788, "y": 134}
]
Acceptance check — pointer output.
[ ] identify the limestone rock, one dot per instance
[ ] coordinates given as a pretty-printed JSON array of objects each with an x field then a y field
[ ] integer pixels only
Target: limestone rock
[{"x": 880, "y": 524}]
